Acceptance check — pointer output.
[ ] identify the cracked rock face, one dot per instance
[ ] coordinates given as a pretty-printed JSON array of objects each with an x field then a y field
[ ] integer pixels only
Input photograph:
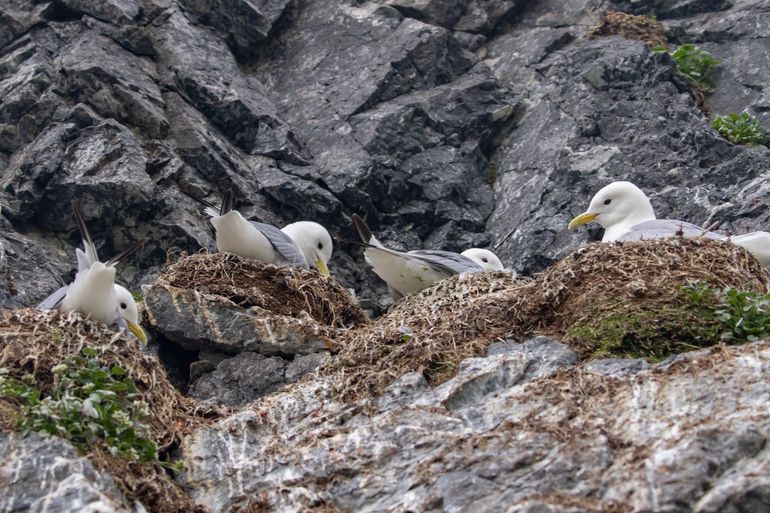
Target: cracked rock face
[
  {"x": 524, "y": 427},
  {"x": 69, "y": 482},
  {"x": 446, "y": 124}
]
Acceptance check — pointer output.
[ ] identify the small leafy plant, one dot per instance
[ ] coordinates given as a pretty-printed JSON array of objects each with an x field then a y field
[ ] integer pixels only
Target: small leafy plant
[
  {"x": 740, "y": 128},
  {"x": 694, "y": 63},
  {"x": 89, "y": 403},
  {"x": 742, "y": 316}
]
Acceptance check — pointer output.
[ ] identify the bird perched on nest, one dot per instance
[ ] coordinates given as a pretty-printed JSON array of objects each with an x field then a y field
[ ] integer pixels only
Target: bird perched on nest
[
  {"x": 94, "y": 291},
  {"x": 626, "y": 213},
  {"x": 298, "y": 244},
  {"x": 412, "y": 271}
]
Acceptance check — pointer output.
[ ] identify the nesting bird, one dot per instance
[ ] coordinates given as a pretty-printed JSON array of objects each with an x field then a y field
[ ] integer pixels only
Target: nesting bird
[
  {"x": 412, "y": 271},
  {"x": 94, "y": 291},
  {"x": 302, "y": 244},
  {"x": 626, "y": 213}
]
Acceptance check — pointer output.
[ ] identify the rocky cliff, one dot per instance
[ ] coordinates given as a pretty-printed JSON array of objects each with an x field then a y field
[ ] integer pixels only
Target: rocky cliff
[{"x": 446, "y": 124}]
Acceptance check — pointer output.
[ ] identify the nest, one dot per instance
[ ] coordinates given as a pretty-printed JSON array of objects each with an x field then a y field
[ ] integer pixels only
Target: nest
[
  {"x": 620, "y": 299},
  {"x": 432, "y": 332},
  {"x": 625, "y": 299},
  {"x": 280, "y": 290},
  {"x": 640, "y": 28},
  {"x": 33, "y": 342}
]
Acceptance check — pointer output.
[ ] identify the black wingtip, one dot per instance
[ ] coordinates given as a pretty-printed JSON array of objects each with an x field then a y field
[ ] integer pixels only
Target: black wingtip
[
  {"x": 199, "y": 200},
  {"x": 123, "y": 254},
  {"x": 361, "y": 227},
  {"x": 227, "y": 203},
  {"x": 81, "y": 224}
]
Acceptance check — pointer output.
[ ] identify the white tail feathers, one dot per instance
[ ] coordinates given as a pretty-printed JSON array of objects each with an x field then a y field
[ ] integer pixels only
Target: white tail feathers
[{"x": 756, "y": 243}]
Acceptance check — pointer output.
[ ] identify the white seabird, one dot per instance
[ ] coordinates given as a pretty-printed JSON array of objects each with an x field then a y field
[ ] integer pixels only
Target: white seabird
[
  {"x": 298, "y": 244},
  {"x": 94, "y": 291},
  {"x": 626, "y": 213},
  {"x": 406, "y": 273}
]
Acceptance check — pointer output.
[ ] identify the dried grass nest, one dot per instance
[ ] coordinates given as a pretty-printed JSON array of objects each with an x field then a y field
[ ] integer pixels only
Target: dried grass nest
[
  {"x": 599, "y": 284},
  {"x": 630, "y": 26},
  {"x": 280, "y": 290},
  {"x": 33, "y": 342}
]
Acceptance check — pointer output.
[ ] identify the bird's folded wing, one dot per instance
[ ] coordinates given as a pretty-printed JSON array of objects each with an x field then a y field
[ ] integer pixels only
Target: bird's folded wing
[
  {"x": 445, "y": 261},
  {"x": 54, "y": 299},
  {"x": 660, "y": 228},
  {"x": 283, "y": 244},
  {"x": 756, "y": 243}
]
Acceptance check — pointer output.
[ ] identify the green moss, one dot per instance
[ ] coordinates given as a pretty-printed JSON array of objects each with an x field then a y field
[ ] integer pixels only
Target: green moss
[{"x": 651, "y": 330}]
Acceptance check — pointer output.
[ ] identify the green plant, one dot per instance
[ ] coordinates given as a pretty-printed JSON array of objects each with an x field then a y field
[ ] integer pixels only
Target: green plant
[
  {"x": 740, "y": 128},
  {"x": 694, "y": 63},
  {"x": 89, "y": 403},
  {"x": 742, "y": 316},
  {"x": 138, "y": 297}
]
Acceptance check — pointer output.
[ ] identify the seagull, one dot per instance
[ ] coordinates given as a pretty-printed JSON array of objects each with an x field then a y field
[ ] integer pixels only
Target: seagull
[
  {"x": 406, "y": 273},
  {"x": 297, "y": 244},
  {"x": 485, "y": 258},
  {"x": 626, "y": 213},
  {"x": 94, "y": 291}
]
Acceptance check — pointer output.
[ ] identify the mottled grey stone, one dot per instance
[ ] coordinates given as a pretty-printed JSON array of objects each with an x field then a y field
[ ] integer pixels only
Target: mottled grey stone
[
  {"x": 617, "y": 366},
  {"x": 243, "y": 23},
  {"x": 48, "y": 475},
  {"x": 303, "y": 364},
  {"x": 684, "y": 437},
  {"x": 240, "y": 379},
  {"x": 198, "y": 321}
]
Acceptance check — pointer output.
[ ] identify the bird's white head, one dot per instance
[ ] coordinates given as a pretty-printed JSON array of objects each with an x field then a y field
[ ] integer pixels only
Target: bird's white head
[
  {"x": 314, "y": 242},
  {"x": 129, "y": 312},
  {"x": 617, "y": 207},
  {"x": 485, "y": 258}
]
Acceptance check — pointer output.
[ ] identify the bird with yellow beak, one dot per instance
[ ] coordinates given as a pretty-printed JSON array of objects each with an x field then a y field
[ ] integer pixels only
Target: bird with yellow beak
[
  {"x": 626, "y": 213},
  {"x": 94, "y": 291},
  {"x": 301, "y": 244}
]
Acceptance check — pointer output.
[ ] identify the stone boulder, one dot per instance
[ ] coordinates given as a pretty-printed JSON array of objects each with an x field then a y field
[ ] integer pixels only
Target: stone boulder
[
  {"x": 525, "y": 429},
  {"x": 254, "y": 326}
]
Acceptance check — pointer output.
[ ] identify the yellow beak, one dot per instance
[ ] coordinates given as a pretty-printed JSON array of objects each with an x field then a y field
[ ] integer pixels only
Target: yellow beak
[
  {"x": 584, "y": 218},
  {"x": 137, "y": 331},
  {"x": 321, "y": 266}
]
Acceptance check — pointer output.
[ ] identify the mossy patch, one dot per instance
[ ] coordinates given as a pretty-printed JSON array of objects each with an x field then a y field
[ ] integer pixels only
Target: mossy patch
[
  {"x": 643, "y": 330},
  {"x": 630, "y": 26}
]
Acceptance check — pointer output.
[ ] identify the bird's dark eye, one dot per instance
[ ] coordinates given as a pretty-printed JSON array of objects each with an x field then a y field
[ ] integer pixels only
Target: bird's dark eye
[
  {"x": 607, "y": 201},
  {"x": 123, "y": 306},
  {"x": 320, "y": 245},
  {"x": 485, "y": 260}
]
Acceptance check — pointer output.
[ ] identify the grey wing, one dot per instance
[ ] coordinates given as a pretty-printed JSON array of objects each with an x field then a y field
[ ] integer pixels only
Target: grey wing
[
  {"x": 52, "y": 301},
  {"x": 659, "y": 228},
  {"x": 446, "y": 262},
  {"x": 283, "y": 244}
]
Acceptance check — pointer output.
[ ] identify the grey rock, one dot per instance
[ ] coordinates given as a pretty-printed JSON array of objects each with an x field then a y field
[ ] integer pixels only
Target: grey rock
[
  {"x": 243, "y": 23},
  {"x": 240, "y": 379},
  {"x": 617, "y": 366},
  {"x": 47, "y": 474},
  {"x": 683, "y": 437},
  {"x": 113, "y": 11},
  {"x": 200, "y": 66},
  {"x": 124, "y": 89},
  {"x": 303, "y": 364},
  {"x": 484, "y": 15},
  {"x": 203, "y": 321}
]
